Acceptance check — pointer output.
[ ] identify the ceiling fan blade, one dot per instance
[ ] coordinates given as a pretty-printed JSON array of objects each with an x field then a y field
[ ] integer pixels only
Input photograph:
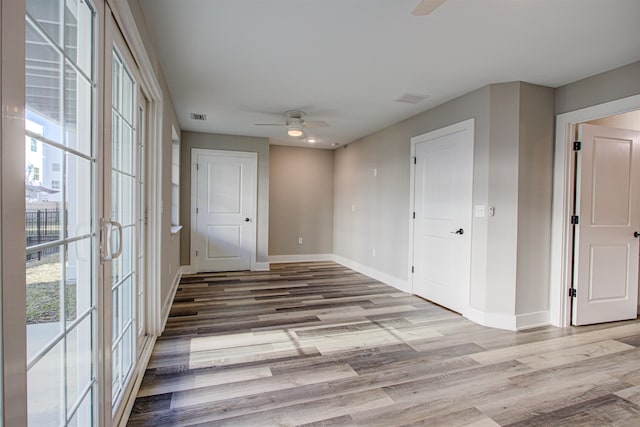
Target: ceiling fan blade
[
  {"x": 316, "y": 124},
  {"x": 269, "y": 124},
  {"x": 426, "y": 7}
]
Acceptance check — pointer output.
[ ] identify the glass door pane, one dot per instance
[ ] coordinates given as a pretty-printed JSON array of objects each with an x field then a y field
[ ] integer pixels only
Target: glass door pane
[
  {"x": 61, "y": 212},
  {"x": 122, "y": 208}
]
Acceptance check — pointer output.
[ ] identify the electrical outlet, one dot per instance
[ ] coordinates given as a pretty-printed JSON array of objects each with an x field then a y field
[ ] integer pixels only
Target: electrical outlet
[{"x": 299, "y": 240}]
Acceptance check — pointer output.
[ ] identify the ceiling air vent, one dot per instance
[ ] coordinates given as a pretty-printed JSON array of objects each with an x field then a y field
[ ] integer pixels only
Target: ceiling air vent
[
  {"x": 198, "y": 116},
  {"x": 411, "y": 98}
]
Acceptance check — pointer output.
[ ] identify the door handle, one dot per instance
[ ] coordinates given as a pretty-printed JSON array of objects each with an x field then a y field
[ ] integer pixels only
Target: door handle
[
  {"x": 459, "y": 231},
  {"x": 247, "y": 220},
  {"x": 107, "y": 226},
  {"x": 636, "y": 234}
]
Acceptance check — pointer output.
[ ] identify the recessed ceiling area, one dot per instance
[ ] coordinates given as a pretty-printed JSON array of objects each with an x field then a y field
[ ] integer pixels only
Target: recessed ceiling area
[{"x": 348, "y": 62}]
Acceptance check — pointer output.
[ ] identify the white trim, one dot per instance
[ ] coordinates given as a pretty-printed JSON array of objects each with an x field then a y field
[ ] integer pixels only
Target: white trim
[
  {"x": 261, "y": 266},
  {"x": 492, "y": 320},
  {"x": 253, "y": 156},
  {"x": 396, "y": 282},
  {"x": 465, "y": 125},
  {"x": 188, "y": 269},
  {"x": 561, "y": 230},
  {"x": 143, "y": 362},
  {"x": 280, "y": 259},
  {"x": 532, "y": 320},
  {"x": 168, "y": 301}
]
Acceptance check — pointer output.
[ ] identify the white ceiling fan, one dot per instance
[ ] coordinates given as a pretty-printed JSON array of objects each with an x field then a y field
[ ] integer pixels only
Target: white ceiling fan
[
  {"x": 295, "y": 123},
  {"x": 426, "y": 7}
]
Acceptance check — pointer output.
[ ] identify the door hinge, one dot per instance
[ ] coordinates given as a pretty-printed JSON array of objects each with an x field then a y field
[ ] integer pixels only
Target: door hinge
[
  {"x": 196, "y": 253},
  {"x": 197, "y": 166},
  {"x": 413, "y": 269},
  {"x": 197, "y": 211},
  {"x": 572, "y": 292},
  {"x": 575, "y": 220},
  {"x": 414, "y": 215},
  {"x": 415, "y": 160},
  {"x": 577, "y": 145}
]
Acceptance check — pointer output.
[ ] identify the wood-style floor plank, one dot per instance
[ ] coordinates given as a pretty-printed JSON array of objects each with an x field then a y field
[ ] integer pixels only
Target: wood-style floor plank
[{"x": 317, "y": 344}]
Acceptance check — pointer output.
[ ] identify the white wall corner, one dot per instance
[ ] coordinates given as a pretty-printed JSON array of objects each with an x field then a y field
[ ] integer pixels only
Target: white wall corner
[
  {"x": 533, "y": 320},
  {"x": 279, "y": 259},
  {"x": 387, "y": 279},
  {"x": 492, "y": 320},
  {"x": 166, "y": 305},
  {"x": 261, "y": 266}
]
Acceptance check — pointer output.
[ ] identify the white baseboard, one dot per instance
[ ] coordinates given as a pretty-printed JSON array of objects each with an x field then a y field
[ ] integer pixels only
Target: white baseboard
[
  {"x": 533, "y": 320},
  {"x": 188, "y": 269},
  {"x": 261, "y": 266},
  {"x": 492, "y": 320},
  {"x": 400, "y": 284},
  {"x": 278, "y": 259},
  {"x": 166, "y": 304},
  {"x": 509, "y": 322}
]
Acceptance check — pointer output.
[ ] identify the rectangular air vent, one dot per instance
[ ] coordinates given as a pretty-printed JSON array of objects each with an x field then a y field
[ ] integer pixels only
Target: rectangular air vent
[
  {"x": 198, "y": 116},
  {"x": 411, "y": 98}
]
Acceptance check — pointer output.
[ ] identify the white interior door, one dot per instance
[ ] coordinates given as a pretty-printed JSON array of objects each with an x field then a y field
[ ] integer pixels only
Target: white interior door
[
  {"x": 443, "y": 189},
  {"x": 223, "y": 235},
  {"x": 608, "y": 205}
]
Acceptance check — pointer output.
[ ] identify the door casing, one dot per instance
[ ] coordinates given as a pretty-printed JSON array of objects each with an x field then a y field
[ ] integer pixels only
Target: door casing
[
  {"x": 195, "y": 152},
  {"x": 469, "y": 126},
  {"x": 563, "y": 198}
]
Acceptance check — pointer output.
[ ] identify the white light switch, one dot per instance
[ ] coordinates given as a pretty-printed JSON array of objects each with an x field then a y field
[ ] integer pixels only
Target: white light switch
[
  {"x": 353, "y": 208},
  {"x": 375, "y": 171},
  {"x": 480, "y": 211},
  {"x": 299, "y": 240}
]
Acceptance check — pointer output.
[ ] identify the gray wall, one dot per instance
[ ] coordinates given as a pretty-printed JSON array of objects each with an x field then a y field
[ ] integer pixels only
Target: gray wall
[
  {"x": 535, "y": 188},
  {"x": 170, "y": 244},
  {"x": 608, "y": 86},
  {"x": 210, "y": 141},
  {"x": 512, "y": 171},
  {"x": 300, "y": 201},
  {"x": 381, "y": 217}
]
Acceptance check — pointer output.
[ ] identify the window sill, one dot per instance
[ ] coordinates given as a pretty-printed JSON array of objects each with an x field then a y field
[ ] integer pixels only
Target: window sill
[{"x": 175, "y": 229}]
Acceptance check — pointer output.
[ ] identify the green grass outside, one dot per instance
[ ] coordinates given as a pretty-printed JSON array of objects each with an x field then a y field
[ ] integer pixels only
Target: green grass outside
[{"x": 43, "y": 291}]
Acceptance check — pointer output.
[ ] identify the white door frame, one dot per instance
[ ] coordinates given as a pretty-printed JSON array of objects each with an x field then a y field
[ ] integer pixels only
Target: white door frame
[
  {"x": 456, "y": 127},
  {"x": 195, "y": 152},
  {"x": 563, "y": 193}
]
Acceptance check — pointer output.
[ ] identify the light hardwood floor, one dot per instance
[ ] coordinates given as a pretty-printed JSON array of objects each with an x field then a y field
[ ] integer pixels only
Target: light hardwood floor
[{"x": 319, "y": 344}]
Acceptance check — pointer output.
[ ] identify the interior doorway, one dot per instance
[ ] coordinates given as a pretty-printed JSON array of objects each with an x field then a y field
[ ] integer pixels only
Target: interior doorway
[
  {"x": 223, "y": 212},
  {"x": 594, "y": 263},
  {"x": 441, "y": 200}
]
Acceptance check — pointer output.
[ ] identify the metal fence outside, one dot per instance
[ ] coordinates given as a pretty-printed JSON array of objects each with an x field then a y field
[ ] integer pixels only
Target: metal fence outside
[{"x": 42, "y": 226}]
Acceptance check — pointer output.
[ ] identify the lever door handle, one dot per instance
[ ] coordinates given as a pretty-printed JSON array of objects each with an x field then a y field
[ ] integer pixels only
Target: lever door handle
[
  {"x": 636, "y": 234},
  {"x": 247, "y": 220},
  {"x": 458, "y": 231}
]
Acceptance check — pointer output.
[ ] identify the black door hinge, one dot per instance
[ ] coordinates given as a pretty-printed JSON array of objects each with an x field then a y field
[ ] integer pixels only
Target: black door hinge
[
  {"x": 577, "y": 145},
  {"x": 572, "y": 292},
  {"x": 412, "y": 268},
  {"x": 575, "y": 220},
  {"x": 414, "y": 215}
]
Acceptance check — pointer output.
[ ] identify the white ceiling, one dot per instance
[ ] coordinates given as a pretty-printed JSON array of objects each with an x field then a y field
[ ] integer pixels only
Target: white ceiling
[{"x": 345, "y": 61}]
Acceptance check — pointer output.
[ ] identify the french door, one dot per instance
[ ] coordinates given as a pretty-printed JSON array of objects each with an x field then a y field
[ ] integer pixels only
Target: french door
[
  {"x": 123, "y": 212},
  {"x": 85, "y": 214}
]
